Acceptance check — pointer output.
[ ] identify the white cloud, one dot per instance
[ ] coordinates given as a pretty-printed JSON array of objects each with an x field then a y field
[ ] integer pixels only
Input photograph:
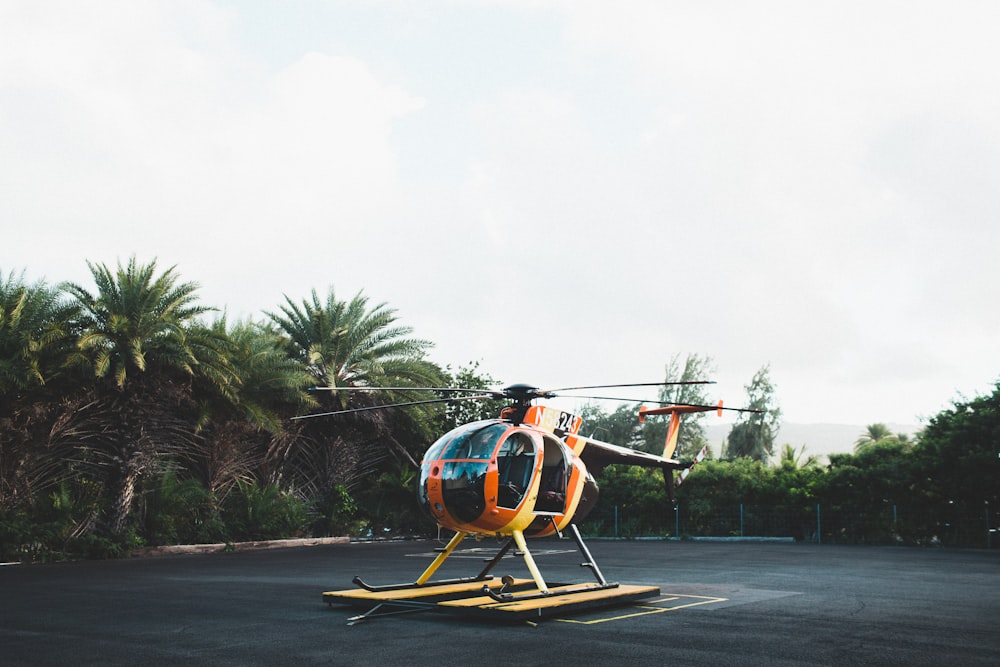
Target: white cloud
[
  {"x": 145, "y": 145},
  {"x": 569, "y": 192}
]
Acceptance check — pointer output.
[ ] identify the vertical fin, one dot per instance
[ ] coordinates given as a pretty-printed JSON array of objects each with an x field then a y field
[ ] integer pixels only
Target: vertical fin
[
  {"x": 675, "y": 411},
  {"x": 672, "y": 432}
]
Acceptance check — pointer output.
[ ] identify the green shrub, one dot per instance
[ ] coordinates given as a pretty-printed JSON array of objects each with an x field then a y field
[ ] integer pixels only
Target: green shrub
[
  {"x": 179, "y": 511},
  {"x": 334, "y": 514},
  {"x": 254, "y": 512}
]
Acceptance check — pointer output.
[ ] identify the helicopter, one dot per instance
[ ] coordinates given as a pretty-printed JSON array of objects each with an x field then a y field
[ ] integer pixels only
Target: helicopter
[{"x": 528, "y": 473}]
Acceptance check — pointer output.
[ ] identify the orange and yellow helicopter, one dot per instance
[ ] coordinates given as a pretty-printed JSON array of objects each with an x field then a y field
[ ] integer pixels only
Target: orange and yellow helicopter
[{"x": 528, "y": 473}]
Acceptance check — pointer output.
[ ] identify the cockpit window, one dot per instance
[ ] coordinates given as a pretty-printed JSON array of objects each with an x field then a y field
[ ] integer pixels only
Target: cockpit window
[
  {"x": 464, "y": 489},
  {"x": 474, "y": 444},
  {"x": 465, "y": 459}
]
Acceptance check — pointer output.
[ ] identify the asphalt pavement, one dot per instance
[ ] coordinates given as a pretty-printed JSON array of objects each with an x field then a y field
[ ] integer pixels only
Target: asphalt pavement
[{"x": 732, "y": 603}]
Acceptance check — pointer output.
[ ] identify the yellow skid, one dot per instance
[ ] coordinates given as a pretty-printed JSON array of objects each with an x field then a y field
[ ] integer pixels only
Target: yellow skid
[
  {"x": 562, "y": 601},
  {"x": 467, "y": 599},
  {"x": 351, "y": 595}
]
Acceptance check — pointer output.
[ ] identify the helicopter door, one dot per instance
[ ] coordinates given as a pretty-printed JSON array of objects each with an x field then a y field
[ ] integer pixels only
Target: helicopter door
[
  {"x": 552, "y": 489},
  {"x": 464, "y": 464},
  {"x": 515, "y": 463}
]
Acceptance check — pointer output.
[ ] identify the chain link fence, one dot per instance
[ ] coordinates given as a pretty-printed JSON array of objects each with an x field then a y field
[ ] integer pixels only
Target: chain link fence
[{"x": 819, "y": 524}]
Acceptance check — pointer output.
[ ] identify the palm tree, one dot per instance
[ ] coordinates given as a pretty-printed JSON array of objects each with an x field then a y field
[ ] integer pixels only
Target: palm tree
[
  {"x": 35, "y": 340},
  {"x": 873, "y": 434},
  {"x": 136, "y": 317},
  {"x": 792, "y": 458},
  {"x": 239, "y": 430},
  {"x": 137, "y": 342},
  {"x": 271, "y": 384},
  {"x": 348, "y": 344},
  {"x": 34, "y": 335}
]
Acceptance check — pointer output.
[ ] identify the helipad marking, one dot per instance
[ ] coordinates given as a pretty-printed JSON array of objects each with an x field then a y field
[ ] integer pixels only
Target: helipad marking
[{"x": 650, "y": 610}]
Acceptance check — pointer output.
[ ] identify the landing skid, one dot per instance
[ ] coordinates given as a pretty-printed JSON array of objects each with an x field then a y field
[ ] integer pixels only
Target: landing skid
[
  {"x": 484, "y": 597},
  {"x": 467, "y": 601}
]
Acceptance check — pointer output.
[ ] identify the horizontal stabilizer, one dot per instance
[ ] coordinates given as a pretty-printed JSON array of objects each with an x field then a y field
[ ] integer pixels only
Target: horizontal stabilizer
[{"x": 675, "y": 412}]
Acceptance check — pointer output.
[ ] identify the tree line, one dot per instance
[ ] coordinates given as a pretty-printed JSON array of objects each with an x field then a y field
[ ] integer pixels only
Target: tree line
[
  {"x": 941, "y": 487},
  {"x": 131, "y": 414}
]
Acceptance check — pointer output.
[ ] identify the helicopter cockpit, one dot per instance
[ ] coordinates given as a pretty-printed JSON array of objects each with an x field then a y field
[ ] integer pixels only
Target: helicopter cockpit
[
  {"x": 464, "y": 463},
  {"x": 459, "y": 463}
]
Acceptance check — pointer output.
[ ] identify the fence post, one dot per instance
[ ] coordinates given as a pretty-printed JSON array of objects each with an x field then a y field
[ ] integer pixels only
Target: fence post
[
  {"x": 677, "y": 520},
  {"x": 819, "y": 527},
  {"x": 989, "y": 533},
  {"x": 741, "y": 519}
]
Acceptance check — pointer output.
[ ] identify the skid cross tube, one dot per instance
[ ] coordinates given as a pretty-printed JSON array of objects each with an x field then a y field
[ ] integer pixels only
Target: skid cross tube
[
  {"x": 492, "y": 563},
  {"x": 424, "y": 580},
  {"x": 543, "y": 590},
  {"x": 591, "y": 563}
]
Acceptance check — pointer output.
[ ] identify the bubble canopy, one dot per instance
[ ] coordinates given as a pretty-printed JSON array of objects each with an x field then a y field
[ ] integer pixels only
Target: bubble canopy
[{"x": 462, "y": 460}]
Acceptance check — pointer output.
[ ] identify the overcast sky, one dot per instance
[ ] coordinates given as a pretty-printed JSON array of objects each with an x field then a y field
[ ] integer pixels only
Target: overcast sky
[{"x": 567, "y": 192}]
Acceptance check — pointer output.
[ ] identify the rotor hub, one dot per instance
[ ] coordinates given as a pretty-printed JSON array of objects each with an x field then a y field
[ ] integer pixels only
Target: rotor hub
[{"x": 525, "y": 393}]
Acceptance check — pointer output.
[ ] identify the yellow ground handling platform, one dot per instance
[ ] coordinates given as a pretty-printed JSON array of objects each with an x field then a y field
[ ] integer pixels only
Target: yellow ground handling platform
[
  {"x": 519, "y": 600},
  {"x": 485, "y": 597}
]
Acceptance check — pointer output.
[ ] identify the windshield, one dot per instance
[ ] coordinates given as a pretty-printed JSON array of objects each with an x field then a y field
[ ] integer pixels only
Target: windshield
[
  {"x": 476, "y": 443},
  {"x": 464, "y": 455}
]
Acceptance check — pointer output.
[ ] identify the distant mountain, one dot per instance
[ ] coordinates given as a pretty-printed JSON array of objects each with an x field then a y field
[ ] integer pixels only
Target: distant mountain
[{"x": 819, "y": 439}]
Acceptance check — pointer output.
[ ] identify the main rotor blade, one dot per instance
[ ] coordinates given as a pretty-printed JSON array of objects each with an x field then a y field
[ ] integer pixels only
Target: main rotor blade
[
  {"x": 664, "y": 403},
  {"x": 393, "y": 405},
  {"x": 709, "y": 408},
  {"x": 634, "y": 384},
  {"x": 614, "y": 398},
  {"x": 441, "y": 389}
]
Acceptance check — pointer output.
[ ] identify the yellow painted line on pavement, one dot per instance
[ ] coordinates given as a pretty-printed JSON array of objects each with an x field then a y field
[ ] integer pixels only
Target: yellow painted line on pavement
[{"x": 649, "y": 610}]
